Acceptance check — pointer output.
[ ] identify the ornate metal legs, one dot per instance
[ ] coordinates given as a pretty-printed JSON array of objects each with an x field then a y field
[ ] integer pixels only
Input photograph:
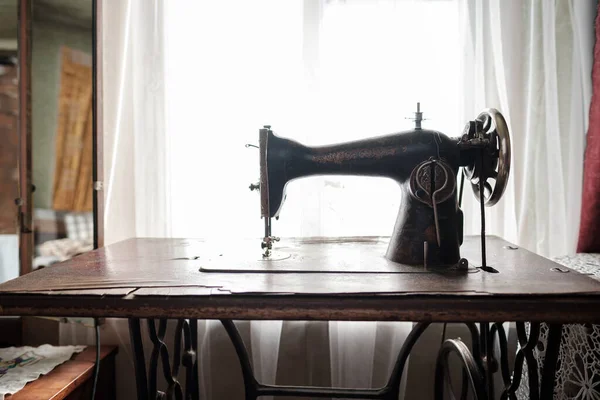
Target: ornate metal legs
[
  {"x": 186, "y": 334},
  {"x": 139, "y": 360},
  {"x": 487, "y": 356},
  {"x": 472, "y": 373},
  {"x": 254, "y": 389},
  {"x": 481, "y": 363}
]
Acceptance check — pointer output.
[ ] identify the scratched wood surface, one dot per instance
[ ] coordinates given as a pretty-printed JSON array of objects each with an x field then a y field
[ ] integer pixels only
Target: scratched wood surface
[
  {"x": 170, "y": 277},
  {"x": 314, "y": 267}
]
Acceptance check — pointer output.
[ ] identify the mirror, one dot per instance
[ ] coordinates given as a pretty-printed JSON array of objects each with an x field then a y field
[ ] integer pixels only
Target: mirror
[
  {"x": 47, "y": 132},
  {"x": 61, "y": 129}
]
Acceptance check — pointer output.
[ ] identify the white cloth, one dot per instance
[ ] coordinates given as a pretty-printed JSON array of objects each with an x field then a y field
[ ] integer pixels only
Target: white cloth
[{"x": 20, "y": 365}]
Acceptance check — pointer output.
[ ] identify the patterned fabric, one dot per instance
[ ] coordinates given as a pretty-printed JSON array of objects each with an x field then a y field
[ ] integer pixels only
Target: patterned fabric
[
  {"x": 578, "y": 369},
  {"x": 48, "y": 225},
  {"x": 80, "y": 226},
  {"x": 589, "y": 230},
  {"x": 61, "y": 235},
  {"x": 63, "y": 249}
]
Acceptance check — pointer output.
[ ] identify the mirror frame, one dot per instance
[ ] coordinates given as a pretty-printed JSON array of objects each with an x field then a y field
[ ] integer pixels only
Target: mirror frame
[
  {"x": 25, "y": 201},
  {"x": 97, "y": 116}
]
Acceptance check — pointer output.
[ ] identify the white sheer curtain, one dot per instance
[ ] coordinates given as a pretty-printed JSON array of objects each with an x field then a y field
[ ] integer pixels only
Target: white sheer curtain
[
  {"x": 188, "y": 83},
  {"x": 532, "y": 60},
  {"x": 318, "y": 73}
]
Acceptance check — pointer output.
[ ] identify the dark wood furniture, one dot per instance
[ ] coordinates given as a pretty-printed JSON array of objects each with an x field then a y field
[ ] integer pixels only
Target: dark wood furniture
[
  {"x": 22, "y": 202},
  {"x": 184, "y": 279},
  {"x": 73, "y": 379}
]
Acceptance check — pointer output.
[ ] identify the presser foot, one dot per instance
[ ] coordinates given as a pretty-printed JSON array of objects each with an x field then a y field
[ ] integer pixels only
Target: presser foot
[{"x": 267, "y": 245}]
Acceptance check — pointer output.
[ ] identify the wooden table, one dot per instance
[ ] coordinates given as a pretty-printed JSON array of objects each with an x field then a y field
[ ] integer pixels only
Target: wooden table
[{"x": 313, "y": 279}]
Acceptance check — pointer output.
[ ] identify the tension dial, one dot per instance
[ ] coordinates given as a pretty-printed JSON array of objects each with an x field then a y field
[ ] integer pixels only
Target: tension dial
[{"x": 432, "y": 182}]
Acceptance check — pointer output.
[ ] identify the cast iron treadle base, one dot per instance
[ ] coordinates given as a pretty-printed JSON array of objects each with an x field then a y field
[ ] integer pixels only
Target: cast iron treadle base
[
  {"x": 254, "y": 389},
  {"x": 479, "y": 364},
  {"x": 186, "y": 329}
]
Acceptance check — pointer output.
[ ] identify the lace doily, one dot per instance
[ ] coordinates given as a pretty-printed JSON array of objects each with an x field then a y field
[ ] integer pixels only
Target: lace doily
[{"x": 578, "y": 368}]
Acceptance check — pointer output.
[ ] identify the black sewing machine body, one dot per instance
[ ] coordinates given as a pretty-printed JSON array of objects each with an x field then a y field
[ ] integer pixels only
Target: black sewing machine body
[{"x": 429, "y": 225}]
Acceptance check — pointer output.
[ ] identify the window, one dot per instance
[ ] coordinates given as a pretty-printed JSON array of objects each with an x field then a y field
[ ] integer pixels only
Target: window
[{"x": 318, "y": 72}]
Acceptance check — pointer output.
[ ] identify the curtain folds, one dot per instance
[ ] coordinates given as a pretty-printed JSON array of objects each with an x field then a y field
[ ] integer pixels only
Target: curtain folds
[
  {"x": 532, "y": 60},
  {"x": 136, "y": 146}
]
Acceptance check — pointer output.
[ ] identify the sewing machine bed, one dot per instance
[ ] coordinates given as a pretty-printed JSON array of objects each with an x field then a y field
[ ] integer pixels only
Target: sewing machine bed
[
  {"x": 319, "y": 255},
  {"x": 345, "y": 278}
]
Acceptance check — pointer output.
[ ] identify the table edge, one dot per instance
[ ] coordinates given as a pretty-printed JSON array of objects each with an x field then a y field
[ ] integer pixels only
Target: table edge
[{"x": 415, "y": 307}]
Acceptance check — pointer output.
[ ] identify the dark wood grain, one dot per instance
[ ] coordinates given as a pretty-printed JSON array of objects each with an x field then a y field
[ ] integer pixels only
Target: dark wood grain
[
  {"x": 147, "y": 263},
  {"x": 440, "y": 308},
  {"x": 168, "y": 283},
  {"x": 68, "y": 379},
  {"x": 92, "y": 292}
]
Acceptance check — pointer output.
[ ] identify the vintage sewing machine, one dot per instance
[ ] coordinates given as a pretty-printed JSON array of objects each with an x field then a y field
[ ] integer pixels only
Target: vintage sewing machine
[{"x": 429, "y": 226}]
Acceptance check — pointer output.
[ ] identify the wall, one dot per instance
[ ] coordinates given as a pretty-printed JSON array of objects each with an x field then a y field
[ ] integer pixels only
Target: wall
[
  {"x": 48, "y": 38},
  {"x": 9, "y": 257}
]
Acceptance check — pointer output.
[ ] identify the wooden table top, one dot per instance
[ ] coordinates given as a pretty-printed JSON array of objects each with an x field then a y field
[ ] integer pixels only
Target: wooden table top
[{"x": 307, "y": 279}]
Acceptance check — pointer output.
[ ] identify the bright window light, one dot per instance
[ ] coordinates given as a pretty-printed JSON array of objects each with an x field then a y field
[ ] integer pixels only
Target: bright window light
[{"x": 318, "y": 72}]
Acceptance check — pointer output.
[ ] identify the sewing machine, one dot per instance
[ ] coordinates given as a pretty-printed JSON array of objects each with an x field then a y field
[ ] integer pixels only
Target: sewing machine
[{"x": 429, "y": 225}]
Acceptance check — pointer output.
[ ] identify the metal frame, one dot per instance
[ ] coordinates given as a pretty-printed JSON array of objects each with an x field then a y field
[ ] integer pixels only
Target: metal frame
[
  {"x": 254, "y": 389},
  {"x": 186, "y": 335},
  {"x": 479, "y": 364}
]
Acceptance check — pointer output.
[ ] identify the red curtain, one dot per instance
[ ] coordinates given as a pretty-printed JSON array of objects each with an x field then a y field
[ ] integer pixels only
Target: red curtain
[{"x": 589, "y": 231}]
